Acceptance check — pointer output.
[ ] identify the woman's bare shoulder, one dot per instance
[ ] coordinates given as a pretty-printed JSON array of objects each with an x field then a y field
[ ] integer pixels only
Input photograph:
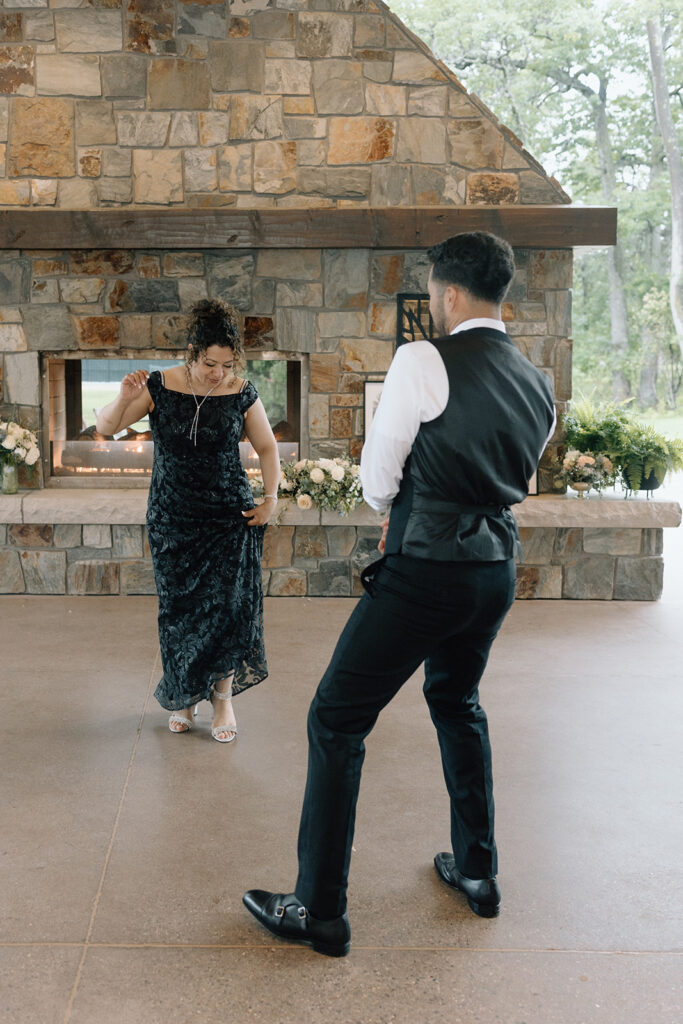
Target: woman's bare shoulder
[{"x": 175, "y": 378}]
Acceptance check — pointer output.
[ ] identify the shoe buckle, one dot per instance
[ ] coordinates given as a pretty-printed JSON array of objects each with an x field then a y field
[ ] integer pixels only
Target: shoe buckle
[
  {"x": 279, "y": 911},
  {"x": 301, "y": 911}
]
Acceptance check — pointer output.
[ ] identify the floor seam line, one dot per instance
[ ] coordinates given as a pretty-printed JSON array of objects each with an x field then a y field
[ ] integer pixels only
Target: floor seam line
[
  {"x": 573, "y": 950},
  {"x": 105, "y": 866}
]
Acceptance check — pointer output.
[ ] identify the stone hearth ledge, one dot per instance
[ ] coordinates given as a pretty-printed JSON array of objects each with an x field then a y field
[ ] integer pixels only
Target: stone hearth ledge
[{"x": 124, "y": 507}]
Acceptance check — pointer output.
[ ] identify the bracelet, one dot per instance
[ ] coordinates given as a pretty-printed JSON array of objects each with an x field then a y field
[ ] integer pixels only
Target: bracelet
[{"x": 273, "y": 496}]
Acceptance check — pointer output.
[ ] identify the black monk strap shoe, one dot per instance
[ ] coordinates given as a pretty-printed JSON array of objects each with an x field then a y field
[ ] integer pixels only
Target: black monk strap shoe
[
  {"x": 483, "y": 894},
  {"x": 284, "y": 916}
]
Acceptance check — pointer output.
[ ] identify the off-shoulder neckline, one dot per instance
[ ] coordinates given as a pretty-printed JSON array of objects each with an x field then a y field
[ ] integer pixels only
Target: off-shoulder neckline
[{"x": 188, "y": 394}]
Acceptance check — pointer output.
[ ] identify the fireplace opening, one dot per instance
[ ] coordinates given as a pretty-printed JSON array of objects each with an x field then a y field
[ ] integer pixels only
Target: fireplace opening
[{"x": 79, "y": 388}]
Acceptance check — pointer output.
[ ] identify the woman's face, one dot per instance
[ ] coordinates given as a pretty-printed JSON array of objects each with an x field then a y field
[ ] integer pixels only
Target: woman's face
[{"x": 213, "y": 365}]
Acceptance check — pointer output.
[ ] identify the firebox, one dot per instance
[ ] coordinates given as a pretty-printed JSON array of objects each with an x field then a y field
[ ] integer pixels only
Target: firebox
[{"x": 79, "y": 388}]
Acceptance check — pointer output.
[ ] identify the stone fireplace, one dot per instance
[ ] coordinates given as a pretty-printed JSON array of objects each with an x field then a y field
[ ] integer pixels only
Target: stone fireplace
[{"x": 294, "y": 158}]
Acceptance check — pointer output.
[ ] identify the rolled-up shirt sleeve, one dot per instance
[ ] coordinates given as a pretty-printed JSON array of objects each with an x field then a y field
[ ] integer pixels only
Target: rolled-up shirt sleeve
[{"x": 415, "y": 391}]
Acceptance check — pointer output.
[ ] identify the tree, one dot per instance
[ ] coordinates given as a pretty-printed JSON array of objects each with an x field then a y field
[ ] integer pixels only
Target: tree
[
  {"x": 573, "y": 81},
  {"x": 673, "y": 155}
]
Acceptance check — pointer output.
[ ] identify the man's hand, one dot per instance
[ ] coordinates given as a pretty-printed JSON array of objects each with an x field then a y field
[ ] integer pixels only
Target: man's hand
[{"x": 383, "y": 539}]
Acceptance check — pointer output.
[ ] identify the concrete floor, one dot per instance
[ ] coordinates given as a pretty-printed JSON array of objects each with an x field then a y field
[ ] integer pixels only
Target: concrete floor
[{"x": 126, "y": 849}]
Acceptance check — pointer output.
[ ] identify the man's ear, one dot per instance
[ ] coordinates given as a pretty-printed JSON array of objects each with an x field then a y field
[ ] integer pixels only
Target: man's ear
[{"x": 451, "y": 298}]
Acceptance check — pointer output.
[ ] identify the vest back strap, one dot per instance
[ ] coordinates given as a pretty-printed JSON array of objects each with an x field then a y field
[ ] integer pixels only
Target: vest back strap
[{"x": 421, "y": 504}]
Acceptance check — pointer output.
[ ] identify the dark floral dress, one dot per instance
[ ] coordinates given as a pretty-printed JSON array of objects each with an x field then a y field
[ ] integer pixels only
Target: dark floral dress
[{"x": 207, "y": 560}]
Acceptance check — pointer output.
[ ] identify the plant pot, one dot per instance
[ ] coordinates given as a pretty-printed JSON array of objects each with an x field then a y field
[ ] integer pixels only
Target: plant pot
[
  {"x": 10, "y": 478},
  {"x": 581, "y": 488},
  {"x": 647, "y": 483}
]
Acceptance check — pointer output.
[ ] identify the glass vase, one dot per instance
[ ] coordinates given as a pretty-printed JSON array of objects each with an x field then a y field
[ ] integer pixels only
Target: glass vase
[{"x": 10, "y": 478}]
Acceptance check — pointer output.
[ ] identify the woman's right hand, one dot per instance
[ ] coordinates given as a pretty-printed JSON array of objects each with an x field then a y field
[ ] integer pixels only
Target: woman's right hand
[{"x": 132, "y": 384}]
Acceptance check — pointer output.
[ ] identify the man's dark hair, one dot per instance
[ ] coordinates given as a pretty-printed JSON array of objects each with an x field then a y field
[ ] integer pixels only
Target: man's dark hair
[{"x": 481, "y": 263}]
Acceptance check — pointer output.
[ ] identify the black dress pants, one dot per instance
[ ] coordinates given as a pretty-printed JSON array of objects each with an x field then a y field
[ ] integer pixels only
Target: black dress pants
[{"x": 446, "y": 614}]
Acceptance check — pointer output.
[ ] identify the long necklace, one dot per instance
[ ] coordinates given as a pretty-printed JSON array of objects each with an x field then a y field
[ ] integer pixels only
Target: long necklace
[{"x": 195, "y": 421}]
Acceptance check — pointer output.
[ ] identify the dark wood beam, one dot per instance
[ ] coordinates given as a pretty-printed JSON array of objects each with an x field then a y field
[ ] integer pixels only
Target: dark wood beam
[{"x": 538, "y": 227}]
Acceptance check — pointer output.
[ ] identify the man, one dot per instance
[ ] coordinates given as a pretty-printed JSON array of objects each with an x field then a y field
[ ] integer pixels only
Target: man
[{"x": 458, "y": 433}]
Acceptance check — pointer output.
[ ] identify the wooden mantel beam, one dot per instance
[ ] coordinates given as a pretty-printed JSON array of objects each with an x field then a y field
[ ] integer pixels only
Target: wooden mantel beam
[{"x": 536, "y": 227}]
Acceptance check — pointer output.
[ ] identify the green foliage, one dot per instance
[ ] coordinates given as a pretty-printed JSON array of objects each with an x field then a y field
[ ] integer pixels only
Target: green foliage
[
  {"x": 645, "y": 451},
  {"x": 596, "y": 428},
  {"x": 269, "y": 377},
  {"x": 543, "y": 69},
  {"x": 635, "y": 447}
]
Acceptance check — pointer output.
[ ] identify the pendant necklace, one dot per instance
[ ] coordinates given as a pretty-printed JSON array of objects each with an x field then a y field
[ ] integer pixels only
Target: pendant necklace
[{"x": 195, "y": 421}]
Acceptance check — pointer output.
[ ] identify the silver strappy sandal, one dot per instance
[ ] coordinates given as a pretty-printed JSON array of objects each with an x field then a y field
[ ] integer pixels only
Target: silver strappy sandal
[
  {"x": 215, "y": 730},
  {"x": 181, "y": 720}
]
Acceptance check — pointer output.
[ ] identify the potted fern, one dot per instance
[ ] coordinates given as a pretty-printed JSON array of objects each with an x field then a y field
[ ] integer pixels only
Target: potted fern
[{"x": 647, "y": 456}]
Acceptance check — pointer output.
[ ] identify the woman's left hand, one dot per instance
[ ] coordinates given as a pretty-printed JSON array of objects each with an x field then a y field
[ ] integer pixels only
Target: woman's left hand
[{"x": 260, "y": 515}]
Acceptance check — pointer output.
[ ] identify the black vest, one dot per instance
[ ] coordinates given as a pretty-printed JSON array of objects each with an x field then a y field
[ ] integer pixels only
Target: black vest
[{"x": 467, "y": 466}]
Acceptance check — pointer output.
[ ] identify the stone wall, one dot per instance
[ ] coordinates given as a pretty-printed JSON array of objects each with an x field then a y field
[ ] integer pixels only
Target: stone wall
[
  {"x": 254, "y": 103},
  {"x": 336, "y": 308},
  {"x": 245, "y": 103},
  {"x": 94, "y": 542},
  {"x": 591, "y": 563},
  {"x": 325, "y": 561}
]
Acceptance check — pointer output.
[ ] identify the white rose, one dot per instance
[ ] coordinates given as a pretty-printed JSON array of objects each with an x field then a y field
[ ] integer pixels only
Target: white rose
[
  {"x": 317, "y": 475},
  {"x": 304, "y": 501},
  {"x": 337, "y": 472},
  {"x": 301, "y": 464},
  {"x": 285, "y": 485},
  {"x": 355, "y": 470},
  {"x": 326, "y": 464},
  {"x": 10, "y": 442}
]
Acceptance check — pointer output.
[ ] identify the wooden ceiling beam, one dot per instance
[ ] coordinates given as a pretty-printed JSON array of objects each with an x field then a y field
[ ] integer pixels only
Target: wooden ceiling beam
[{"x": 536, "y": 227}]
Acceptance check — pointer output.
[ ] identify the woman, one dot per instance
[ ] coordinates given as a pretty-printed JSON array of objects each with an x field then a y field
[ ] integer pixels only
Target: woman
[{"x": 205, "y": 534}]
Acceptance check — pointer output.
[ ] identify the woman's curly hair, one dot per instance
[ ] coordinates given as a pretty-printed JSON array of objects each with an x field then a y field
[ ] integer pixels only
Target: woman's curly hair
[{"x": 214, "y": 323}]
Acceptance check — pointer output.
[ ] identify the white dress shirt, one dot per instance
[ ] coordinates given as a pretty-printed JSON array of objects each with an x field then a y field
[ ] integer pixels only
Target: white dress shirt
[{"x": 415, "y": 391}]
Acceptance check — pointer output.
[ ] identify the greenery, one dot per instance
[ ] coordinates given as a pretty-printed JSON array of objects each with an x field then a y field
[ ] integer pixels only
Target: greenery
[
  {"x": 646, "y": 452},
  {"x": 269, "y": 377},
  {"x": 636, "y": 448},
  {"x": 596, "y": 428},
  {"x": 574, "y": 81}
]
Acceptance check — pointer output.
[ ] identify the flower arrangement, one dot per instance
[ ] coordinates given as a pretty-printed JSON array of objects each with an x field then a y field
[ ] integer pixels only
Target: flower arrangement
[
  {"x": 597, "y": 471},
  {"x": 17, "y": 444},
  {"x": 333, "y": 484},
  {"x": 328, "y": 483}
]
